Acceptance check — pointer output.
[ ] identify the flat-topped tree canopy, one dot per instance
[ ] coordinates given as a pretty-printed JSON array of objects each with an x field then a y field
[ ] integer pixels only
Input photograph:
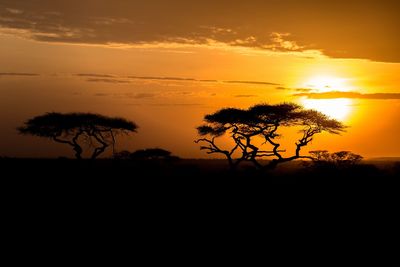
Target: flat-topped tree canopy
[
  {"x": 55, "y": 124},
  {"x": 229, "y": 115},
  {"x": 257, "y": 117},
  {"x": 266, "y": 116},
  {"x": 73, "y": 128},
  {"x": 221, "y": 121},
  {"x": 284, "y": 113}
]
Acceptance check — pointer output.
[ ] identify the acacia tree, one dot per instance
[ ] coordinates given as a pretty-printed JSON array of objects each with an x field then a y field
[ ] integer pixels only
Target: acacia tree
[
  {"x": 76, "y": 129},
  {"x": 262, "y": 121}
]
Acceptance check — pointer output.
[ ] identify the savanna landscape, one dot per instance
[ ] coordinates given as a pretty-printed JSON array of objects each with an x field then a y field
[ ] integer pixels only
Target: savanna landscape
[{"x": 284, "y": 92}]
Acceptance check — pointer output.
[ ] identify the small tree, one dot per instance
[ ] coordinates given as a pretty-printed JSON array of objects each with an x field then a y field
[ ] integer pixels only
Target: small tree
[
  {"x": 263, "y": 121},
  {"x": 75, "y": 129},
  {"x": 346, "y": 158}
]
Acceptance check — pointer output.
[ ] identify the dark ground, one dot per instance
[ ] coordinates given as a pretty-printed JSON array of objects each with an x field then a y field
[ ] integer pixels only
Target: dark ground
[
  {"x": 147, "y": 181},
  {"x": 157, "y": 203},
  {"x": 192, "y": 171}
]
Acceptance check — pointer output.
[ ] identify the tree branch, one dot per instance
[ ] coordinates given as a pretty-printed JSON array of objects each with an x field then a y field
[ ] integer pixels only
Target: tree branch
[{"x": 98, "y": 150}]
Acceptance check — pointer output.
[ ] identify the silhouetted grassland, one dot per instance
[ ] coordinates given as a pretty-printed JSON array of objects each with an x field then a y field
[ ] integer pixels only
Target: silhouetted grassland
[{"x": 193, "y": 170}]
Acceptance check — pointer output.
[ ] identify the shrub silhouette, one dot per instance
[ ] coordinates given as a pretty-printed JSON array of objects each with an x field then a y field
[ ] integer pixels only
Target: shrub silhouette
[
  {"x": 151, "y": 154},
  {"x": 264, "y": 121},
  {"x": 124, "y": 154},
  {"x": 75, "y": 129},
  {"x": 146, "y": 154}
]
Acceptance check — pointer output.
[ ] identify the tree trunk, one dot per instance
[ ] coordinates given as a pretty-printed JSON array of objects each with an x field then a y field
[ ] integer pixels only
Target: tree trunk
[
  {"x": 98, "y": 151},
  {"x": 78, "y": 152}
]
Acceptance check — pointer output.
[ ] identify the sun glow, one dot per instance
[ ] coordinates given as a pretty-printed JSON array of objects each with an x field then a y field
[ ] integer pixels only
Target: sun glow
[
  {"x": 339, "y": 109},
  {"x": 321, "y": 84}
]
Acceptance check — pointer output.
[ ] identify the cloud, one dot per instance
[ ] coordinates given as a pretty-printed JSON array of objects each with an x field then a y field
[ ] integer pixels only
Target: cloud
[
  {"x": 280, "y": 43},
  {"x": 208, "y": 81},
  {"x": 176, "y": 104},
  {"x": 355, "y": 95},
  {"x": 196, "y": 80},
  {"x": 14, "y": 11},
  {"x": 128, "y": 95},
  {"x": 245, "y": 96},
  {"x": 18, "y": 74},
  {"x": 106, "y": 80},
  {"x": 101, "y": 94},
  {"x": 330, "y": 26},
  {"x": 251, "y": 82},
  {"x": 143, "y": 95},
  {"x": 95, "y": 75},
  {"x": 115, "y": 79},
  {"x": 303, "y": 90},
  {"x": 161, "y": 78}
]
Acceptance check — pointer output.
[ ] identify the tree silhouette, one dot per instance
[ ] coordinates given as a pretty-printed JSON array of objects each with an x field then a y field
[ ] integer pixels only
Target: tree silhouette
[
  {"x": 340, "y": 158},
  {"x": 263, "y": 121},
  {"x": 75, "y": 129}
]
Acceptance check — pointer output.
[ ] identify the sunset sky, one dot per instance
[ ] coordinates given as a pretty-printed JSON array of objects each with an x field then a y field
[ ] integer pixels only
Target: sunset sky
[{"x": 165, "y": 64}]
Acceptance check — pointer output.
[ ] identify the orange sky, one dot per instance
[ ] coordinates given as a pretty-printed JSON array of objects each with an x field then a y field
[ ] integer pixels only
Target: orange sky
[{"x": 165, "y": 66}]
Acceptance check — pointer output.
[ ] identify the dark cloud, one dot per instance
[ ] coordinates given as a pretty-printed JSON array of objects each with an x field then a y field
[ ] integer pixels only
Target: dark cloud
[
  {"x": 208, "y": 81},
  {"x": 143, "y": 95},
  {"x": 345, "y": 29},
  {"x": 252, "y": 82},
  {"x": 281, "y": 88},
  {"x": 17, "y": 74},
  {"x": 332, "y": 95},
  {"x": 106, "y": 80}
]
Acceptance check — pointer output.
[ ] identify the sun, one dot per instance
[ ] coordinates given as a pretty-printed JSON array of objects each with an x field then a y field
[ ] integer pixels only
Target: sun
[{"x": 321, "y": 84}]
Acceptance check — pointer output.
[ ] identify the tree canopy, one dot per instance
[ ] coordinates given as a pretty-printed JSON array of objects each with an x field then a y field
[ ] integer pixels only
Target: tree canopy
[
  {"x": 75, "y": 129},
  {"x": 263, "y": 121}
]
